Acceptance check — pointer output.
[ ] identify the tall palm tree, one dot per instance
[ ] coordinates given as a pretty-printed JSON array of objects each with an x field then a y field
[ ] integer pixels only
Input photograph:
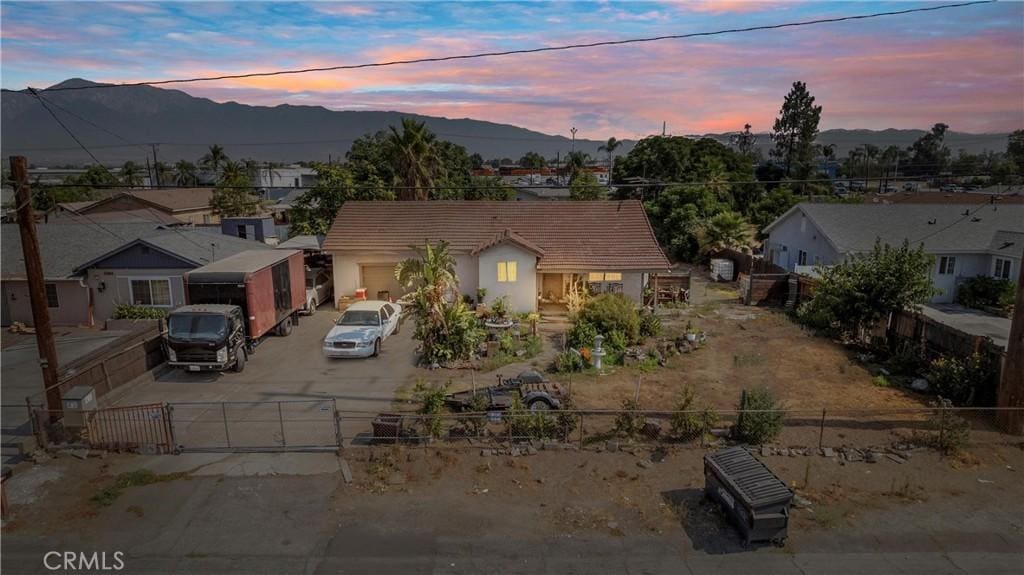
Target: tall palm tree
[
  {"x": 214, "y": 159},
  {"x": 431, "y": 275},
  {"x": 415, "y": 159},
  {"x": 163, "y": 173},
  {"x": 576, "y": 161},
  {"x": 185, "y": 173},
  {"x": 131, "y": 174},
  {"x": 610, "y": 146},
  {"x": 233, "y": 173}
]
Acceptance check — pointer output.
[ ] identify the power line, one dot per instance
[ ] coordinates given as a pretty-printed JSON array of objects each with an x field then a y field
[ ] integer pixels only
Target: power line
[
  {"x": 62, "y": 125},
  {"x": 90, "y": 122},
  {"x": 528, "y": 50}
]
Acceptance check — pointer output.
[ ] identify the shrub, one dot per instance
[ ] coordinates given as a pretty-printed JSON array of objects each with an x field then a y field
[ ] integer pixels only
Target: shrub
[
  {"x": 499, "y": 308},
  {"x": 628, "y": 423},
  {"x": 507, "y": 343},
  {"x": 431, "y": 398},
  {"x": 687, "y": 422},
  {"x": 459, "y": 341},
  {"x": 129, "y": 311},
  {"x": 958, "y": 379},
  {"x": 879, "y": 381},
  {"x": 760, "y": 419},
  {"x": 568, "y": 362},
  {"x": 952, "y": 432},
  {"x": 906, "y": 359},
  {"x": 982, "y": 291},
  {"x": 525, "y": 424},
  {"x": 612, "y": 312},
  {"x": 533, "y": 345},
  {"x": 582, "y": 335},
  {"x": 650, "y": 325},
  {"x": 616, "y": 342}
]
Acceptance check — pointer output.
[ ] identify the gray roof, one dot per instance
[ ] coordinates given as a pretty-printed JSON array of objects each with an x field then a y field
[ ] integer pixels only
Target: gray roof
[
  {"x": 292, "y": 196},
  {"x": 67, "y": 247},
  {"x": 313, "y": 243},
  {"x": 941, "y": 228},
  {"x": 247, "y": 261}
]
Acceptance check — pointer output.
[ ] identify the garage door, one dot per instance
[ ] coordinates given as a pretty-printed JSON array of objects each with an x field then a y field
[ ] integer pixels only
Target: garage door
[{"x": 377, "y": 278}]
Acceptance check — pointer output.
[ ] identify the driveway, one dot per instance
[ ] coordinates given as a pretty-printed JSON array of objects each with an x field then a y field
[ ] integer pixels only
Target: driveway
[
  {"x": 286, "y": 369},
  {"x": 972, "y": 321}
]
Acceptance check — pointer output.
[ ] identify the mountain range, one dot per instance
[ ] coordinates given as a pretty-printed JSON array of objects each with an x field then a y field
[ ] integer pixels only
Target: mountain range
[{"x": 118, "y": 124}]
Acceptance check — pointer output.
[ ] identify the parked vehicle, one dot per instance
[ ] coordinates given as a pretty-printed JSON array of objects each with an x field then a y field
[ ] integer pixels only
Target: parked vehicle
[
  {"x": 361, "y": 330},
  {"x": 951, "y": 189},
  {"x": 319, "y": 288},
  {"x": 857, "y": 185},
  {"x": 889, "y": 189},
  {"x": 533, "y": 391},
  {"x": 233, "y": 304},
  {"x": 910, "y": 186}
]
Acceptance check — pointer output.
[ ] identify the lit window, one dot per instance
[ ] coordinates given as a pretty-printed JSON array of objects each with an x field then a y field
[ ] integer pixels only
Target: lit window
[
  {"x": 613, "y": 277},
  {"x": 604, "y": 277},
  {"x": 507, "y": 272},
  {"x": 155, "y": 292}
]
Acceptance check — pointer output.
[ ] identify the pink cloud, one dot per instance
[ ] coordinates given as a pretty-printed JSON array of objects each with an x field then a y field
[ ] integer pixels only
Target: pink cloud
[{"x": 343, "y": 9}]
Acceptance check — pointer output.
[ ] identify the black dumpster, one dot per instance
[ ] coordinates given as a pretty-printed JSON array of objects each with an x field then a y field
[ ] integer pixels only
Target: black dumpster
[{"x": 755, "y": 499}]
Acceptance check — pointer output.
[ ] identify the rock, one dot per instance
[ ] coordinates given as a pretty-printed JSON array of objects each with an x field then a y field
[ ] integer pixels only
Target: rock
[
  {"x": 896, "y": 458},
  {"x": 828, "y": 452},
  {"x": 486, "y": 452},
  {"x": 520, "y": 352},
  {"x": 919, "y": 384},
  {"x": 645, "y": 463},
  {"x": 883, "y": 371},
  {"x": 801, "y": 502},
  {"x": 854, "y": 455},
  {"x": 784, "y": 452},
  {"x": 80, "y": 453},
  {"x": 514, "y": 452},
  {"x": 530, "y": 450},
  {"x": 346, "y": 471},
  {"x": 613, "y": 525},
  {"x": 873, "y": 457},
  {"x": 765, "y": 451},
  {"x": 792, "y": 453},
  {"x": 612, "y": 446}
]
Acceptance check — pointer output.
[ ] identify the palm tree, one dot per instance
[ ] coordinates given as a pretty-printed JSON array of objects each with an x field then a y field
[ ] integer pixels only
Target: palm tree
[
  {"x": 610, "y": 146},
  {"x": 725, "y": 230},
  {"x": 233, "y": 173},
  {"x": 575, "y": 161},
  {"x": 163, "y": 173},
  {"x": 214, "y": 159},
  {"x": 414, "y": 158},
  {"x": 131, "y": 174},
  {"x": 184, "y": 173}
]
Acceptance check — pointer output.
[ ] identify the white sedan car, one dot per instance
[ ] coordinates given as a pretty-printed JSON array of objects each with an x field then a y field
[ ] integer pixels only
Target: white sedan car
[{"x": 361, "y": 329}]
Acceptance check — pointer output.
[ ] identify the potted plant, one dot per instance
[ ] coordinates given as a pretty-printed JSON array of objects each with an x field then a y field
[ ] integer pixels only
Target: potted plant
[
  {"x": 691, "y": 334},
  {"x": 481, "y": 294}
]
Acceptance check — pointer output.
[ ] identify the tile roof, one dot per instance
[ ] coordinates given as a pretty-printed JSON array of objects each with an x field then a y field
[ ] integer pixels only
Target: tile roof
[
  {"x": 942, "y": 228},
  {"x": 599, "y": 235},
  {"x": 171, "y": 199},
  {"x": 508, "y": 236}
]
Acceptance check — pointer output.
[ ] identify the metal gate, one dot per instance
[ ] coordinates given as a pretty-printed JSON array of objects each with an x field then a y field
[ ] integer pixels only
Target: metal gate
[
  {"x": 144, "y": 428},
  {"x": 287, "y": 425}
]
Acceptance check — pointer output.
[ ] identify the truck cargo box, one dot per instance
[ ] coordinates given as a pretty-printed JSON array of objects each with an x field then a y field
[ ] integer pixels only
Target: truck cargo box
[{"x": 269, "y": 286}]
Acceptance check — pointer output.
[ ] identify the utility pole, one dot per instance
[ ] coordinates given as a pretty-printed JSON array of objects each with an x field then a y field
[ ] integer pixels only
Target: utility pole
[
  {"x": 664, "y": 125},
  {"x": 36, "y": 284},
  {"x": 155, "y": 182},
  {"x": 573, "y": 130},
  {"x": 1011, "y": 388}
]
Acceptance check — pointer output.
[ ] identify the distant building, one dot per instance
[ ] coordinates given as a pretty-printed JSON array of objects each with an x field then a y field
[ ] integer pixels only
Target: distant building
[
  {"x": 163, "y": 205},
  {"x": 275, "y": 183},
  {"x": 258, "y": 228}
]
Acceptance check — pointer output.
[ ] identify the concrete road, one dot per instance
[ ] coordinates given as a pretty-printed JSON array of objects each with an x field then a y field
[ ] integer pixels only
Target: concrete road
[
  {"x": 291, "y": 370},
  {"x": 970, "y": 320},
  {"x": 22, "y": 378}
]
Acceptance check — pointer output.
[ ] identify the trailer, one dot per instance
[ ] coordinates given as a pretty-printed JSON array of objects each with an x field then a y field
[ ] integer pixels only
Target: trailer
[{"x": 233, "y": 304}]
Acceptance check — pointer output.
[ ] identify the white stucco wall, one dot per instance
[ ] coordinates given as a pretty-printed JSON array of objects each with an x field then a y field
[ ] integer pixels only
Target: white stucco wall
[
  {"x": 796, "y": 233},
  {"x": 522, "y": 294},
  {"x": 347, "y": 277}
]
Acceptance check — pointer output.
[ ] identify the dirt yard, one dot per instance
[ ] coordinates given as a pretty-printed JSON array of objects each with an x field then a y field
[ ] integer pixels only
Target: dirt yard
[{"x": 746, "y": 347}]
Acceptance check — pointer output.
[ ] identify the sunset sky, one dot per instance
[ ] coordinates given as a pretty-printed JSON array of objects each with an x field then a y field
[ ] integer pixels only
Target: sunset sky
[{"x": 963, "y": 66}]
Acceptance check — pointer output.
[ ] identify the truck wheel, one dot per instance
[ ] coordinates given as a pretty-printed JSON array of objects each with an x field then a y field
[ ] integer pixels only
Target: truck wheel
[
  {"x": 376, "y": 348},
  {"x": 285, "y": 328},
  {"x": 239, "y": 360},
  {"x": 312, "y": 306},
  {"x": 539, "y": 405}
]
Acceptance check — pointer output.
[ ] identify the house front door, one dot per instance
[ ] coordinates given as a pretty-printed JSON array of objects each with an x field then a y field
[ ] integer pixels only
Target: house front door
[{"x": 552, "y": 287}]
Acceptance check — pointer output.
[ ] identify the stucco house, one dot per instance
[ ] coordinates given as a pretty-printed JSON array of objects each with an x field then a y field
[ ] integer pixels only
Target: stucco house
[
  {"x": 529, "y": 252},
  {"x": 967, "y": 240},
  {"x": 164, "y": 205},
  {"x": 89, "y": 269}
]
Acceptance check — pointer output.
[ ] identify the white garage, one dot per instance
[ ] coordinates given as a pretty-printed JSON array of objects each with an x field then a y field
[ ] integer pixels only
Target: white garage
[{"x": 379, "y": 278}]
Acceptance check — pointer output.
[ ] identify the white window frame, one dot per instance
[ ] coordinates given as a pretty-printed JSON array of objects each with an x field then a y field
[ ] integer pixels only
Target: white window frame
[
  {"x": 801, "y": 258},
  {"x": 509, "y": 269},
  {"x": 131, "y": 290},
  {"x": 947, "y": 265},
  {"x": 1002, "y": 268}
]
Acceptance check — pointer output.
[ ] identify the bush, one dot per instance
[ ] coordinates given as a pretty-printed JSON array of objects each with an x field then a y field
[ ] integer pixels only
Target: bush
[
  {"x": 582, "y": 335},
  {"x": 129, "y": 311},
  {"x": 507, "y": 343},
  {"x": 958, "y": 379},
  {"x": 568, "y": 362},
  {"x": 879, "y": 381},
  {"x": 760, "y": 419},
  {"x": 982, "y": 291},
  {"x": 460, "y": 341},
  {"x": 616, "y": 342},
  {"x": 650, "y": 325},
  {"x": 905, "y": 359},
  {"x": 687, "y": 422},
  {"x": 629, "y": 423},
  {"x": 612, "y": 312},
  {"x": 527, "y": 424},
  {"x": 431, "y": 398},
  {"x": 952, "y": 432}
]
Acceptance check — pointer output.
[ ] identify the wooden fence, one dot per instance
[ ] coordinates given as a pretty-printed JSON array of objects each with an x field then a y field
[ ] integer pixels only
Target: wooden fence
[
  {"x": 747, "y": 263},
  {"x": 116, "y": 363}
]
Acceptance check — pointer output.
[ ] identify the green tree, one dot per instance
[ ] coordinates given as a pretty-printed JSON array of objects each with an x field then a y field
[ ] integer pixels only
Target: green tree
[
  {"x": 214, "y": 159},
  {"x": 678, "y": 214},
  {"x": 1015, "y": 151},
  {"x": 476, "y": 161},
  {"x": 489, "y": 188},
  {"x": 584, "y": 186},
  {"x": 795, "y": 130},
  {"x": 415, "y": 159},
  {"x": 233, "y": 196},
  {"x": 576, "y": 161},
  {"x": 131, "y": 174},
  {"x": 745, "y": 143},
  {"x": 314, "y": 211},
  {"x": 726, "y": 229},
  {"x": 532, "y": 161},
  {"x": 185, "y": 173},
  {"x": 929, "y": 154},
  {"x": 609, "y": 147},
  {"x": 775, "y": 203},
  {"x": 854, "y": 296}
]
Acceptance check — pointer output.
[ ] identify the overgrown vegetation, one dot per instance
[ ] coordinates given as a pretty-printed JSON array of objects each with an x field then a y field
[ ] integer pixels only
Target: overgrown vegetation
[
  {"x": 431, "y": 399},
  {"x": 982, "y": 291},
  {"x": 958, "y": 379},
  {"x": 760, "y": 418},
  {"x": 951, "y": 432},
  {"x": 609, "y": 313},
  {"x": 630, "y": 421},
  {"x": 129, "y": 311},
  {"x": 138, "y": 478},
  {"x": 854, "y": 296},
  {"x": 690, "y": 422}
]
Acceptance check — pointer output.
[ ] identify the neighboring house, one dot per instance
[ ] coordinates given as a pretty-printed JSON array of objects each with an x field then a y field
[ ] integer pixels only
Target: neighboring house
[
  {"x": 274, "y": 183},
  {"x": 529, "y": 252},
  {"x": 258, "y": 228},
  {"x": 282, "y": 208},
  {"x": 967, "y": 240},
  {"x": 528, "y": 193},
  {"x": 184, "y": 205},
  {"x": 90, "y": 269}
]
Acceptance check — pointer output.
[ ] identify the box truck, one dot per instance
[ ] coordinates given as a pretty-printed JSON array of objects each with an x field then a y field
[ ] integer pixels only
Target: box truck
[{"x": 232, "y": 304}]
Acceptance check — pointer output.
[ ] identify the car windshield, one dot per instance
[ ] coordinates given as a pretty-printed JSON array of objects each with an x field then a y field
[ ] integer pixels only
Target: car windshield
[
  {"x": 359, "y": 317},
  {"x": 197, "y": 326}
]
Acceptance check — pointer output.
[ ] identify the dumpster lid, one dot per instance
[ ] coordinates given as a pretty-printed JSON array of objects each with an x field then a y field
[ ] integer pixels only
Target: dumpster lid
[{"x": 748, "y": 477}]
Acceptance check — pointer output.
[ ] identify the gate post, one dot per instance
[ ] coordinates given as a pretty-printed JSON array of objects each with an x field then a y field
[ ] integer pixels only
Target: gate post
[
  {"x": 337, "y": 427},
  {"x": 224, "y": 413},
  {"x": 169, "y": 414},
  {"x": 280, "y": 421}
]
